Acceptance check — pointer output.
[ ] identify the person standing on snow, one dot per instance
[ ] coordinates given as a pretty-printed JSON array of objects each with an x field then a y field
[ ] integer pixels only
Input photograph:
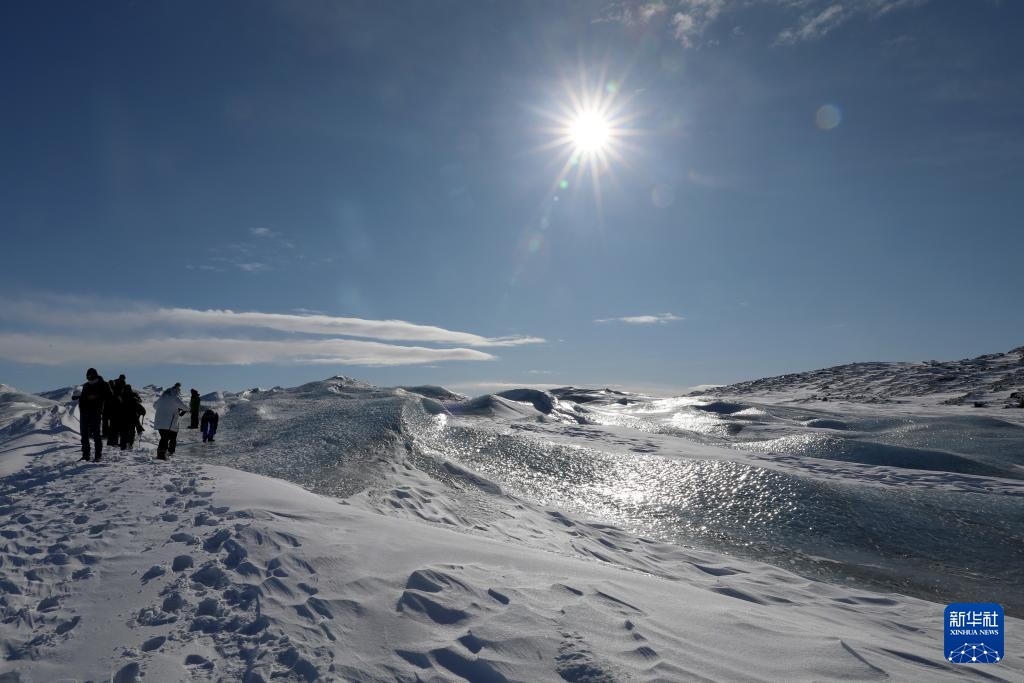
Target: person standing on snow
[
  {"x": 193, "y": 407},
  {"x": 131, "y": 412},
  {"x": 107, "y": 411},
  {"x": 169, "y": 407},
  {"x": 112, "y": 412},
  {"x": 92, "y": 398},
  {"x": 209, "y": 424}
]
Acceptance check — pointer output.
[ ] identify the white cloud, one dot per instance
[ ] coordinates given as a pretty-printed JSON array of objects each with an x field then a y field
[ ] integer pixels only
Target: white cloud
[
  {"x": 693, "y": 18},
  {"x": 657, "y": 319},
  {"x": 632, "y": 13},
  {"x": 883, "y": 7},
  {"x": 819, "y": 18},
  {"x": 814, "y": 26},
  {"x": 52, "y": 312},
  {"x": 45, "y": 349},
  {"x": 651, "y": 10},
  {"x": 684, "y": 28},
  {"x": 263, "y": 250},
  {"x": 54, "y": 330},
  {"x": 689, "y": 20}
]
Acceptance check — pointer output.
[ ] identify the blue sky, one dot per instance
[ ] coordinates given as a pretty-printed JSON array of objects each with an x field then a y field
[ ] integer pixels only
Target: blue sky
[{"x": 236, "y": 194}]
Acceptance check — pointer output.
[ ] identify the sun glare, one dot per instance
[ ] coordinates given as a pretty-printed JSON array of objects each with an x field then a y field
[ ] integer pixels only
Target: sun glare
[
  {"x": 590, "y": 124},
  {"x": 589, "y": 132}
]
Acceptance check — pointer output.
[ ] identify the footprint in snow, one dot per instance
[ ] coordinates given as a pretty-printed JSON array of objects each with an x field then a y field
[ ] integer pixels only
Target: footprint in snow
[
  {"x": 152, "y": 573},
  {"x": 199, "y": 661},
  {"x": 67, "y": 625},
  {"x": 204, "y": 519},
  {"x": 153, "y": 643},
  {"x": 181, "y": 563},
  {"x": 48, "y": 604},
  {"x": 129, "y": 673}
]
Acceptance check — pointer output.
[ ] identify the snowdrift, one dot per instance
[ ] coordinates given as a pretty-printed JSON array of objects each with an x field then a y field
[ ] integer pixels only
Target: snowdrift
[{"x": 15, "y": 404}]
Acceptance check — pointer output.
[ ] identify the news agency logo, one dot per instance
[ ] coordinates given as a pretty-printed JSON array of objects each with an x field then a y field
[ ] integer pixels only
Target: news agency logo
[{"x": 974, "y": 633}]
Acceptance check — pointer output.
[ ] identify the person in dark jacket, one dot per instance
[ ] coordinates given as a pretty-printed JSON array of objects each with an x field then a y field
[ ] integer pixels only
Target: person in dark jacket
[
  {"x": 105, "y": 424},
  {"x": 92, "y": 398},
  {"x": 193, "y": 407},
  {"x": 130, "y": 418},
  {"x": 112, "y": 412},
  {"x": 209, "y": 424}
]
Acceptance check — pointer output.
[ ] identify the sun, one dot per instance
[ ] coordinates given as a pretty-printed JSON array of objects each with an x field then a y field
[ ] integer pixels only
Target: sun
[
  {"x": 590, "y": 132},
  {"x": 590, "y": 123}
]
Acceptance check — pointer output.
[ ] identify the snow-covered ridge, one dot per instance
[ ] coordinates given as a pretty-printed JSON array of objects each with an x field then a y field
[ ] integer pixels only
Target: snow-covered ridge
[
  {"x": 988, "y": 379},
  {"x": 15, "y": 404}
]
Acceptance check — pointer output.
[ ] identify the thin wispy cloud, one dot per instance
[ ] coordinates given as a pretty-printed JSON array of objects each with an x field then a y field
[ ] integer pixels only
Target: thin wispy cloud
[
  {"x": 656, "y": 319},
  {"x": 54, "y": 330},
  {"x": 53, "y": 312},
  {"x": 818, "y": 18},
  {"x": 45, "y": 349},
  {"x": 693, "y": 18},
  {"x": 252, "y": 267},
  {"x": 261, "y": 250},
  {"x": 815, "y": 25},
  {"x": 275, "y": 237},
  {"x": 691, "y": 22}
]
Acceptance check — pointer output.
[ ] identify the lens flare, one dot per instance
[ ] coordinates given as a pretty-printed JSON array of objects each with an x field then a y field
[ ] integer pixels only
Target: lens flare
[
  {"x": 663, "y": 196},
  {"x": 828, "y": 117}
]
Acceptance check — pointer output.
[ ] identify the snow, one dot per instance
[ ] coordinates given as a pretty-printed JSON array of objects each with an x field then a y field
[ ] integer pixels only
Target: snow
[
  {"x": 987, "y": 379},
  {"x": 15, "y": 404},
  {"x": 339, "y": 531}
]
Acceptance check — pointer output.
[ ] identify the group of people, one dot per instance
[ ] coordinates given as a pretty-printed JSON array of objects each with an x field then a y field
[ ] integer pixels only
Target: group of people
[
  {"x": 110, "y": 411},
  {"x": 113, "y": 411}
]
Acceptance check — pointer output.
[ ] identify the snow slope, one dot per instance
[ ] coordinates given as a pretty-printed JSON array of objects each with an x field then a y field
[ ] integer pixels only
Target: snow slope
[{"x": 413, "y": 541}]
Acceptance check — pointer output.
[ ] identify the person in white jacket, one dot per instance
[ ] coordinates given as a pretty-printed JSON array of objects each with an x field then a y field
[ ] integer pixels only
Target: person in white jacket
[{"x": 168, "y": 409}]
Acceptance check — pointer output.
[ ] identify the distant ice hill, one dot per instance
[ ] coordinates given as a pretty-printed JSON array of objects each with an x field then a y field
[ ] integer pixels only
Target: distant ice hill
[{"x": 995, "y": 379}]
